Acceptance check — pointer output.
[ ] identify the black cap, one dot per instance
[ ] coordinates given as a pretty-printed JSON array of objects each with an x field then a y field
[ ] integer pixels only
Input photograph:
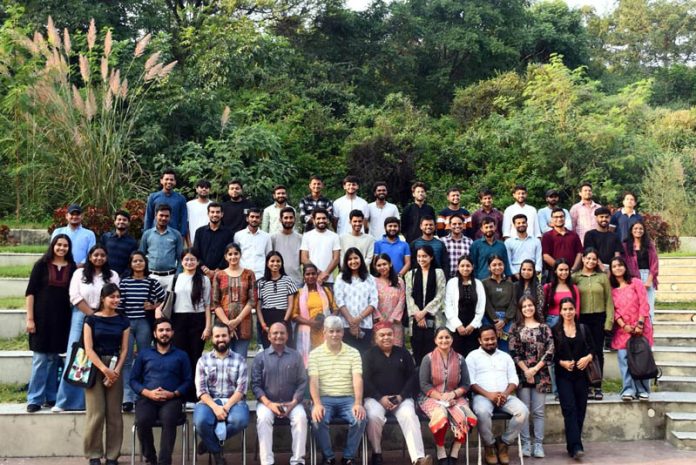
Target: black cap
[
  {"x": 74, "y": 208},
  {"x": 552, "y": 193}
]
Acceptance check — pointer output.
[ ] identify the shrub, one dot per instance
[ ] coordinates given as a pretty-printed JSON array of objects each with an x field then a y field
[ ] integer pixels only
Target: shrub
[
  {"x": 4, "y": 234},
  {"x": 659, "y": 231},
  {"x": 100, "y": 221}
]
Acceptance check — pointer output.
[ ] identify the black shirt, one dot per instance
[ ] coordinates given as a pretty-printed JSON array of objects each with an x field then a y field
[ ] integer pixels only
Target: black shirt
[
  {"x": 118, "y": 249},
  {"x": 107, "y": 332},
  {"x": 606, "y": 243},
  {"x": 234, "y": 214},
  {"x": 410, "y": 220},
  {"x": 389, "y": 376},
  {"x": 210, "y": 246}
]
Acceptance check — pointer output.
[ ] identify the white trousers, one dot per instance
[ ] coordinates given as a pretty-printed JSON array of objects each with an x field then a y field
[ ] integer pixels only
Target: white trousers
[
  {"x": 264, "y": 430},
  {"x": 405, "y": 414}
]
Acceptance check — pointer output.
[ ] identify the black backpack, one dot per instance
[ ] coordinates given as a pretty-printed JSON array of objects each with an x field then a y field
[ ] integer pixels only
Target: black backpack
[{"x": 641, "y": 363}]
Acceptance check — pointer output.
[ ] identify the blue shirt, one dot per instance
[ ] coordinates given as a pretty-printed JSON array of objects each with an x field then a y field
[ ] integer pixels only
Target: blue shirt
[
  {"x": 481, "y": 250},
  {"x": 280, "y": 377},
  {"x": 170, "y": 371},
  {"x": 396, "y": 250},
  {"x": 519, "y": 250},
  {"x": 622, "y": 222},
  {"x": 162, "y": 250},
  {"x": 118, "y": 249},
  {"x": 82, "y": 240},
  {"x": 544, "y": 217},
  {"x": 179, "y": 218},
  {"x": 107, "y": 332}
]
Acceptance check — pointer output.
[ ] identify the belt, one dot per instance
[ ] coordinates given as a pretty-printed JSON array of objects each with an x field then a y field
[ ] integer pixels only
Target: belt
[{"x": 163, "y": 273}]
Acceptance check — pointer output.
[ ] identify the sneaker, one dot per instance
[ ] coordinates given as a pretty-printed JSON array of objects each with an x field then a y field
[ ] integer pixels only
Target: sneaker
[
  {"x": 526, "y": 449},
  {"x": 503, "y": 455},
  {"x": 579, "y": 453},
  {"x": 56, "y": 409},
  {"x": 190, "y": 405},
  {"x": 598, "y": 394},
  {"x": 427, "y": 460},
  {"x": 31, "y": 408},
  {"x": 627, "y": 397},
  {"x": 490, "y": 455},
  {"x": 331, "y": 461},
  {"x": 538, "y": 451},
  {"x": 590, "y": 394},
  {"x": 111, "y": 462},
  {"x": 377, "y": 459},
  {"x": 94, "y": 462},
  {"x": 127, "y": 407},
  {"x": 345, "y": 461},
  {"x": 644, "y": 396}
]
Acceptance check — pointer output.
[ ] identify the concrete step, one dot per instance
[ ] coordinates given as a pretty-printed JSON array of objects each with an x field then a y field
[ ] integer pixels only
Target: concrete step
[
  {"x": 685, "y": 440},
  {"x": 677, "y": 383},
  {"x": 675, "y": 296},
  {"x": 680, "y": 421},
  {"x": 11, "y": 259},
  {"x": 678, "y": 368},
  {"x": 674, "y": 354},
  {"x": 681, "y": 339},
  {"x": 674, "y": 327},
  {"x": 13, "y": 287},
  {"x": 15, "y": 366},
  {"x": 675, "y": 315},
  {"x": 681, "y": 286},
  {"x": 12, "y": 323},
  {"x": 679, "y": 277},
  {"x": 676, "y": 262}
]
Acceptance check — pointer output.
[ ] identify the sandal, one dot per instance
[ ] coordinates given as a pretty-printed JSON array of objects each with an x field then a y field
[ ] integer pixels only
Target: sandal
[
  {"x": 598, "y": 394},
  {"x": 590, "y": 394}
]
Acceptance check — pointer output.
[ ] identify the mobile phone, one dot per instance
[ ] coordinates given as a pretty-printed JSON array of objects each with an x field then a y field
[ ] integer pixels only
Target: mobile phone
[{"x": 394, "y": 399}]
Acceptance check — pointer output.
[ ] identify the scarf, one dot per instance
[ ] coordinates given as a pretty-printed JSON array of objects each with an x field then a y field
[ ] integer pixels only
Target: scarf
[
  {"x": 304, "y": 332},
  {"x": 417, "y": 281}
]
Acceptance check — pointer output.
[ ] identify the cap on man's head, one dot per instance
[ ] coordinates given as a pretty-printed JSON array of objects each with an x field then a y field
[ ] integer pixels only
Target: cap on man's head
[
  {"x": 552, "y": 193},
  {"x": 382, "y": 325},
  {"x": 74, "y": 208}
]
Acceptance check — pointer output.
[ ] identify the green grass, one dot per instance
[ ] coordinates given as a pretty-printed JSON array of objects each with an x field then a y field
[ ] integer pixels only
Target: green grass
[
  {"x": 15, "y": 271},
  {"x": 677, "y": 254},
  {"x": 12, "y": 303},
  {"x": 22, "y": 249},
  {"x": 675, "y": 305},
  {"x": 13, "y": 223},
  {"x": 20, "y": 342},
  {"x": 13, "y": 393},
  {"x": 611, "y": 385}
]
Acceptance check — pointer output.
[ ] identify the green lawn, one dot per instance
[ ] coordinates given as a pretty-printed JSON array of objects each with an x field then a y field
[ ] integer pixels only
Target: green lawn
[
  {"x": 677, "y": 254},
  {"x": 15, "y": 271},
  {"x": 23, "y": 249},
  {"x": 20, "y": 342},
  {"x": 12, "y": 303},
  {"x": 24, "y": 224},
  {"x": 675, "y": 305},
  {"x": 13, "y": 393}
]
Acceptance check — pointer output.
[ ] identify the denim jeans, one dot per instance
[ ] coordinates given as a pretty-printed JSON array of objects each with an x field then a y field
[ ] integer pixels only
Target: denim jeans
[
  {"x": 43, "y": 384},
  {"x": 651, "y": 293},
  {"x": 339, "y": 408},
  {"x": 630, "y": 386},
  {"x": 240, "y": 346},
  {"x": 70, "y": 397},
  {"x": 535, "y": 402},
  {"x": 205, "y": 421},
  {"x": 140, "y": 333},
  {"x": 551, "y": 321},
  {"x": 502, "y": 343}
]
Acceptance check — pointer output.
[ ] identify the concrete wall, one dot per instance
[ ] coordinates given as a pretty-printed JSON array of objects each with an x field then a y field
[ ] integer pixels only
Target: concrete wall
[{"x": 688, "y": 244}]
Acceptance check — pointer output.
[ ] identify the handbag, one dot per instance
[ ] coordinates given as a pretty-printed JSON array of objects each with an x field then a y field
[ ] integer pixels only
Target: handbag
[
  {"x": 80, "y": 372},
  {"x": 593, "y": 370},
  {"x": 168, "y": 305}
]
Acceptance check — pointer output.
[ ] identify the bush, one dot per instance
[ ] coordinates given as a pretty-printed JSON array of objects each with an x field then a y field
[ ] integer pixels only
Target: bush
[
  {"x": 4, "y": 234},
  {"x": 658, "y": 230},
  {"x": 100, "y": 221}
]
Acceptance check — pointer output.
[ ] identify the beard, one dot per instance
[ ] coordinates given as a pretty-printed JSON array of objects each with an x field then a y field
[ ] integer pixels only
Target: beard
[
  {"x": 490, "y": 351},
  {"x": 222, "y": 347}
]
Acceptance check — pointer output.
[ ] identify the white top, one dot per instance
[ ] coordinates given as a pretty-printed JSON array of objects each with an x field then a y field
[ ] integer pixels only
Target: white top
[
  {"x": 532, "y": 221},
  {"x": 492, "y": 372},
  {"x": 254, "y": 250},
  {"x": 197, "y": 215},
  {"x": 288, "y": 245},
  {"x": 452, "y": 304},
  {"x": 320, "y": 247},
  {"x": 270, "y": 222},
  {"x": 183, "y": 303},
  {"x": 90, "y": 293},
  {"x": 364, "y": 243},
  {"x": 342, "y": 207},
  {"x": 376, "y": 217},
  {"x": 356, "y": 296}
]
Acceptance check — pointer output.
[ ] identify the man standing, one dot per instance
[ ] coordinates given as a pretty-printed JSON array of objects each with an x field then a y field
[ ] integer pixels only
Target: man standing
[
  {"x": 343, "y": 206},
  {"x": 378, "y": 211},
  {"x": 336, "y": 387},
  {"x": 119, "y": 244},
  {"x": 177, "y": 203},
  {"x": 321, "y": 247},
  {"x": 287, "y": 242},
  {"x": 235, "y": 210},
  {"x": 544, "y": 216},
  {"x": 485, "y": 247},
  {"x": 392, "y": 245},
  {"x": 254, "y": 242},
  {"x": 519, "y": 193},
  {"x": 210, "y": 242},
  {"x": 522, "y": 246},
  {"x": 494, "y": 381},
  {"x": 162, "y": 377},
  {"x": 561, "y": 243},
  {"x": 487, "y": 209},
  {"x": 603, "y": 239},
  {"x": 457, "y": 244},
  {"x": 314, "y": 201},
  {"x": 82, "y": 239},
  {"x": 162, "y": 245},
  {"x": 221, "y": 385},
  {"x": 582, "y": 213},
  {"x": 625, "y": 217},
  {"x": 271, "y": 222},
  {"x": 411, "y": 219},
  {"x": 427, "y": 226},
  {"x": 279, "y": 380},
  {"x": 391, "y": 383},
  {"x": 454, "y": 195},
  {"x": 197, "y": 209},
  {"x": 358, "y": 239}
]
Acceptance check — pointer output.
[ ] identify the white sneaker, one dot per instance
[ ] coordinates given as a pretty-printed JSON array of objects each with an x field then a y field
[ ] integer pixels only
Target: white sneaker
[
  {"x": 526, "y": 449},
  {"x": 190, "y": 405},
  {"x": 56, "y": 409},
  {"x": 539, "y": 451}
]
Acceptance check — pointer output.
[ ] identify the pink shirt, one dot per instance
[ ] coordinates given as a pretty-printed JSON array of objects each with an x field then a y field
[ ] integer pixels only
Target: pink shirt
[
  {"x": 555, "y": 306},
  {"x": 583, "y": 218},
  {"x": 630, "y": 303}
]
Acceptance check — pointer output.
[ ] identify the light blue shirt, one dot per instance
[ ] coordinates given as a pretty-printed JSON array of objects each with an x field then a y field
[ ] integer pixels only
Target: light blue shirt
[
  {"x": 519, "y": 250},
  {"x": 82, "y": 240},
  {"x": 179, "y": 218},
  {"x": 480, "y": 251},
  {"x": 544, "y": 218},
  {"x": 162, "y": 249}
]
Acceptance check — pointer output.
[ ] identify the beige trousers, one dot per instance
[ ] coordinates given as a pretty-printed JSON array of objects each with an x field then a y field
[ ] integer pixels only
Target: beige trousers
[{"x": 103, "y": 405}]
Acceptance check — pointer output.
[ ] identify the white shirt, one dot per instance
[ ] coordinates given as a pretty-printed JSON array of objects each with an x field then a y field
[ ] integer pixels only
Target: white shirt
[
  {"x": 90, "y": 293},
  {"x": 356, "y": 296},
  {"x": 321, "y": 247},
  {"x": 532, "y": 220},
  {"x": 492, "y": 372},
  {"x": 197, "y": 216},
  {"x": 183, "y": 288},
  {"x": 452, "y": 304},
  {"x": 254, "y": 250},
  {"x": 342, "y": 207},
  {"x": 376, "y": 217}
]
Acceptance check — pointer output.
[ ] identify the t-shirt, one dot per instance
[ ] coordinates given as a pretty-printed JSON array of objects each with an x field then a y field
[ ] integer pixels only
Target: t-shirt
[
  {"x": 443, "y": 219},
  {"x": 342, "y": 208},
  {"x": 396, "y": 250},
  {"x": 197, "y": 215},
  {"x": 183, "y": 302},
  {"x": 288, "y": 245},
  {"x": 107, "y": 332},
  {"x": 375, "y": 217},
  {"x": 274, "y": 294},
  {"x": 321, "y": 247},
  {"x": 134, "y": 294},
  {"x": 607, "y": 244}
]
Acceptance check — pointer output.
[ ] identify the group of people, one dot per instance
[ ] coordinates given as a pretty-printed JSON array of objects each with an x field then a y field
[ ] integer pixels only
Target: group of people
[{"x": 498, "y": 309}]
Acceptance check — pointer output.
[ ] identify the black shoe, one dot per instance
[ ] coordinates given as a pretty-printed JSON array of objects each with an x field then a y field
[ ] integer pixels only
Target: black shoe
[
  {"x": 444, "y": 461},
  {"x": 127, "y": 407},
  {"x": 347, "y": 461},
  {"x": 201, "y": 449},
  {"x": 49, "y": 404},
  {"x": 31, "y": 408},
  {"x": 151, "y": 460},
  {"x": 329, "y": 461},
  {"x": 219, "y": 458},
  {"x": 377, "y": 459},
  {"x": 94, "y": 461},
  {"x": 111, "y": 462},
  {"x": 453, "y": 460}
]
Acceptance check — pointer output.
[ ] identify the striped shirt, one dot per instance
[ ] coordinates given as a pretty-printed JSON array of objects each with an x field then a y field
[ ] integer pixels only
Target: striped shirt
[
  {"x": 221, "y": 377},
  {"x": 134, "y": 294},
  {"x": 274, "y": 294},
  {"x": 335, "y": 371}
]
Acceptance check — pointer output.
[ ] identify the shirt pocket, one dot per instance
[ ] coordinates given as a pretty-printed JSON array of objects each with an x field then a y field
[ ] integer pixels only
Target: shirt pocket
[{"x": 211, "y": 375}]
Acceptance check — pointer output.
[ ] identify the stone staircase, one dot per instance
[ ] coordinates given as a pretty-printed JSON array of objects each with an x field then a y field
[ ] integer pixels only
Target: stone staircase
[{"x": 677, "y": 280}]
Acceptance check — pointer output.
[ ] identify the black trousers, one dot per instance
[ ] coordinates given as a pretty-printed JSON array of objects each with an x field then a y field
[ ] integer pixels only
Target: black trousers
[
  {"x": 572, "y": 395},
  {"x": 595, "y": 323},
  {"x": 271, "y": 316},
  {"x": 465, "y": 344},
  {"x": 422, "y": 341},
  {"x": 362, "y": 344},
  {"x": 188, "y": 328},
  {"x": 147, "y": 412}
]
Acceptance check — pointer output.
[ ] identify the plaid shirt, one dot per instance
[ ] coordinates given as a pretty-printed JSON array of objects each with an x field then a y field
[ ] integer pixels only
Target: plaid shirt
[
  {"x": 455, "y": 249},
  {"x": 220, "y": 378},
  {"x": 308, "y": 205}
]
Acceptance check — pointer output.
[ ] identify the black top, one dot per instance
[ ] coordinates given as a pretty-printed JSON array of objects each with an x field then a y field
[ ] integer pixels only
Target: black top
[
  {"x": 571, "y": 348},
  {"x": 606, "y": 243},
  {"x": 210, "y": 246},
  {"x": 410, "y": 220},
  {"x": 467, "y": 302},
  {"x": 107, "y": 332},
  {"x": 643, "y": 259},
  {"x": 389, "y": 376},
  {"x": 234, "y": 215}
]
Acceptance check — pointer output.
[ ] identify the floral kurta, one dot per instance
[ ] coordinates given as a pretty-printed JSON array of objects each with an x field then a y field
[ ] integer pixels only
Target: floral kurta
[
  {"x": 390, "y": 307},
  {"x": 530, "y": 345}
]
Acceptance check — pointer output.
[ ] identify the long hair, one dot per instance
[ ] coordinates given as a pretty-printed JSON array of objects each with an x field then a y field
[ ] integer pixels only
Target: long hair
[
  {"x": 50, "y": 254},
  {"x": 89, "y": 270},
  {"x": 558, "y": 327},
  {"x": 644, "y": 241},
  {"x": 554, "y": 283},
  {"x": 627, "y": 274},
  {"x": 196, "y": 280},
  {"x": 519, "y": 317},
  {"x": 393, "y": 277},
  {"x": 346, "y": 273},
  {"x": 533, "y": 283},
  {"x": 107, "y": 290},
  {"x": 267, "y": 270}
]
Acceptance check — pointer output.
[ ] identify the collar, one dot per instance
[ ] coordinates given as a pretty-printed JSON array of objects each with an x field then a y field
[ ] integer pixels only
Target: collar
[{"x": 270, "y": 351}]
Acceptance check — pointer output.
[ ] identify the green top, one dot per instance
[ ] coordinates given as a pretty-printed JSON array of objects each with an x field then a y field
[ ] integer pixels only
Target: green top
[{"x": 595, "y": 295}]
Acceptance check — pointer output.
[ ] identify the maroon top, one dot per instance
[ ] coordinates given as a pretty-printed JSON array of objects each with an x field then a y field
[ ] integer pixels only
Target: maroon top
[
  {"x": 632, "y": 261},
  {"x": 557, "y": 245}
]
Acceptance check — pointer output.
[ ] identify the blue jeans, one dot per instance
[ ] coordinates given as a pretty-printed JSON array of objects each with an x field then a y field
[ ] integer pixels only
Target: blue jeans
[
  {"x": 551, "y": 321},
  {"x": 502, "y": 343},
  {"x": 43, "y": 384},
  {"x": 630, "y": 386},
  {"x": 205, "y": 421},
  {"x": 339, "y": 408},
  {"x": 240, "y": 346},
  {"x": 140, "y": 333},
  {"x": 651, "y": 293},
  {"x": 70, "y": 397}
]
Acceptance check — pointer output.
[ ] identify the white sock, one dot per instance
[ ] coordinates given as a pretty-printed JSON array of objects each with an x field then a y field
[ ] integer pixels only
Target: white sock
[
  {"x": 455, "y": 449},
  {"x": 441, "y": 452}
]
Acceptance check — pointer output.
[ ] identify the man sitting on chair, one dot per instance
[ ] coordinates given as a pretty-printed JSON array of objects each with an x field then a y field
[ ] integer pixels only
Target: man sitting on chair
[
  {"x": 336, "y": 387},
  {"x": 221, "y": 384},
  {"x": 493, "y": 380},
  {"x": 279, "y": 380}
]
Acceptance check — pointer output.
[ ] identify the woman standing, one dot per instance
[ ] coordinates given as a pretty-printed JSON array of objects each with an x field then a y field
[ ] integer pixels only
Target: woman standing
[
  {"x": 48, "y": 319},
  {"x": 234, "y": 295},
  {"x": 641, "y": 260},
  {"x": 531, "y": 348},
  {"x": 529, "y": 285},
  {"x": 276, "y": 296},
  {"x": 501, "y": 300},
  {"x": 465, "y": 303},
  {"x": 596, "y": 307},
  {"x": 560, "y": 287},
  {"x": 85, "y": 290},
  {"x": 391, "y": 296},
  {"x": 573, "y": 344},
  {"x": 425, "y": 294},
  {"x": 356, "y": 298},
  {"x": 631, "y": 316},
  {"x": 312, "y": 305},
  {"x": 106, "y": 334},
  {"x": 140, "y": 296},
  {"x": 444, "y": 382}
]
